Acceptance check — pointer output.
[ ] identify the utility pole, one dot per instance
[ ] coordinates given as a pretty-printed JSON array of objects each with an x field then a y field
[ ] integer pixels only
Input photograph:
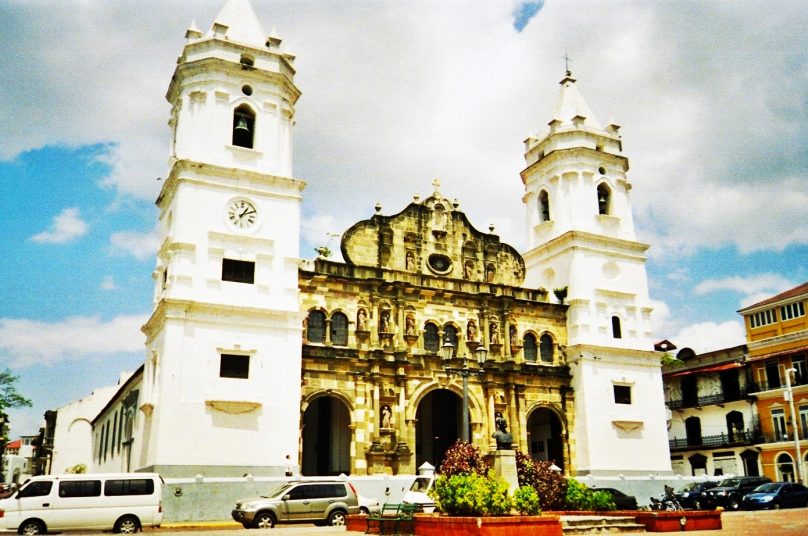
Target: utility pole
[{"x": 790, "y": 396}]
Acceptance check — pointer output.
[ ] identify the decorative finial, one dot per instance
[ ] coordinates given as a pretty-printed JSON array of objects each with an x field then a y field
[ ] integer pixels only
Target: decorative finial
[
  {"x": 416, "y": 197},
  {"x": 567, "y": 61},
  {"x": 378, "y": 207},
  {"x": 436, "y": 184},
  {"x": 455, "y": 204},
  {"x": 491, "y": 227}
]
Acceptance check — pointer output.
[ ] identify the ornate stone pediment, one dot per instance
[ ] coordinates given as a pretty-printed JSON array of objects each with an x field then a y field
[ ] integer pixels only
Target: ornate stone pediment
[{"x": 432, "y": 237}]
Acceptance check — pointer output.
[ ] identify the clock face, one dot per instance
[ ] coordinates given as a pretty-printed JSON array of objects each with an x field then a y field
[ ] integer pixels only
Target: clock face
[{"x": 242, "y": 214}]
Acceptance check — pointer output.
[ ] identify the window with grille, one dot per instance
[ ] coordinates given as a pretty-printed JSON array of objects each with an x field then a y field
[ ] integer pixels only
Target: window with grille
[
  {"x": 315, "y": 327},
  {"x": 339, "y": 329},
  {"x": 529, "y": 347}
]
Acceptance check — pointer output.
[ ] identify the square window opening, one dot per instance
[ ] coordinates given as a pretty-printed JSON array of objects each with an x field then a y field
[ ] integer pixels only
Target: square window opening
[
  {"x": 234, "y": 366},
  {"x": 238, "y": 271},
  {"x": 622, "y": 394}
]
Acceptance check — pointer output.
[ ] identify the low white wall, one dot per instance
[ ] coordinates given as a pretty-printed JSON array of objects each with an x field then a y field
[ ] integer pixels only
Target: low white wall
[{"x": 212, "y": 499}]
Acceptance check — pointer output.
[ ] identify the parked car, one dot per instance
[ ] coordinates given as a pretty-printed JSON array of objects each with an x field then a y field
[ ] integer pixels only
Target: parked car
[
  {"x": 311, "y": 501},
  {"x": 692, "y": 495},
  {"x": 775, "y": 496},
  {"x": 729, "y": 492},
  {"x": 368, "y": 505},
  {"x": 621, "y": 500},
  {"x": 418, "y": 494},
  {"x": 118, "y": 502}
]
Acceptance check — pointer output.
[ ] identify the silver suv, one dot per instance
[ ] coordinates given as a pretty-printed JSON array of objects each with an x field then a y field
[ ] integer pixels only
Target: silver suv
[{"x": 299, "y": 502}]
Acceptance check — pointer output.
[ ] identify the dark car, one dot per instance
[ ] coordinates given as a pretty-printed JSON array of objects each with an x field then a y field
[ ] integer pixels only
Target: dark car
[
  {"x": 729, "y": 492},
  {"x": 776, "y": 495},
  {"x": 621, "y": 500},
  {"x": 692, "y": 495}
]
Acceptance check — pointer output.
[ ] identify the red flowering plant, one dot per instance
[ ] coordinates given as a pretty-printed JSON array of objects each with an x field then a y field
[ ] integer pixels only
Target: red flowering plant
[
  {"x": 549, "y": 484},
  {"x": 463, "y": 458}
]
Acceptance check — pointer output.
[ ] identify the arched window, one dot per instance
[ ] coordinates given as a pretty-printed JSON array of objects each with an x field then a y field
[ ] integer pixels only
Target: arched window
[
  {"x": 315, "y": 327},
  {"x": 339, "y": 329},
  {"x": 604, "y": 199},
  {"x": 546, "y": 347},
  {"x": 785, "y": 468},
  {"x": 693, "y": 431},
  {"x": 544, "y": 206},
  {"x": 450, "y": 335},
  {"x": 529, "y": 347},
  {"x": 616, "y": 331},
  {"x": 431, "y": 340},
  {"x": 243, "y": 126}
]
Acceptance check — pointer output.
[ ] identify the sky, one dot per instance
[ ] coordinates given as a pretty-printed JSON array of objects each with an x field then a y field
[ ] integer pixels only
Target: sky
[{"x": 712, "y": 98}]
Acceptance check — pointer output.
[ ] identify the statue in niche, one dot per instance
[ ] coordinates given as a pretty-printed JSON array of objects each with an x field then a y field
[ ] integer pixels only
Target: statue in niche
[
  {"x": 362, "y": 320},
  {"x": 386, "y": 417},
  {"x": 471, "y": 331},
  {"x": 489, "y": 274},
  {"x": 440, "y": 217},
  {"x": 409, "y": 327},
  {"x": 410, "y": 262},
  {"x": 512, "y": 334},
  {"x": 384, "y": 322},
  {"x": 493, "y": 329},
  {"x": 502, "y": 436},
  {"x": 468, "y": 270}
]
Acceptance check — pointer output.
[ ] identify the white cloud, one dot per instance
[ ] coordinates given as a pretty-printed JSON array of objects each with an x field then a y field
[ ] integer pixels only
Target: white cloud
[
  {"x": 108, "y": 283},
  {"x": 753, "y": 288},
  {"x": 709, "y": 336},
  {"x": 65, "y": 227},
  {"x": 714, "y": 124},
  {"x": 141, "y": 246},
  {"x": 24, "y": 342}
]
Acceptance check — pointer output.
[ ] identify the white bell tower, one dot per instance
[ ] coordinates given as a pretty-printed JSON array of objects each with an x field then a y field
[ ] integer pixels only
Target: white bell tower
[
  {"x": 221, "y": 389},
  {"x": 582, "y": 247}
]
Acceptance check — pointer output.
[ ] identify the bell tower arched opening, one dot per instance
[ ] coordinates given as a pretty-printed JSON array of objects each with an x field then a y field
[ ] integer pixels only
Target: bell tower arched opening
[{"x": 244, "y": 127}]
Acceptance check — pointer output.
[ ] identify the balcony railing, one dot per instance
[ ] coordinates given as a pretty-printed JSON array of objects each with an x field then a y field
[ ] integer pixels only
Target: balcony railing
[
  {"x": 708, "y": 400},
  {"x": 757, "y": 387},
  {"x": 746, "y": 437}
]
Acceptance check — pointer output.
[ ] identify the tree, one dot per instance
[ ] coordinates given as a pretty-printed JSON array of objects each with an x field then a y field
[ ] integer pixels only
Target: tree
[{"x": 9, "y": 397}]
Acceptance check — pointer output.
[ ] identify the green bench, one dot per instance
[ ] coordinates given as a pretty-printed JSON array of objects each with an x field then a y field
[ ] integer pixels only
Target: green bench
[{"x": 393, "y": 518}]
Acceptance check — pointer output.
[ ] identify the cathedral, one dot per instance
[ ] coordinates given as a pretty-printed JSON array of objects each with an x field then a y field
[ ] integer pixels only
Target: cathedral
[{"x": 427, "y": 332}]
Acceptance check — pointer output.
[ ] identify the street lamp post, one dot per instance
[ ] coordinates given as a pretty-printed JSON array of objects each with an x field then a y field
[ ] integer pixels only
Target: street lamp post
[
  {"x": 481, "y": 353},
  {"x": 790, "y": 395}
]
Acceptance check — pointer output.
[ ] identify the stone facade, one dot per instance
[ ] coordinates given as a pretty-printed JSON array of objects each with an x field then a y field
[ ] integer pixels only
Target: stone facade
[{"x": 410, "y": 283}]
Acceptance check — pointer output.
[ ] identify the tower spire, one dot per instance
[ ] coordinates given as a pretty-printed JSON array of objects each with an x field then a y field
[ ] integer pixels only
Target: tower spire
[{"x": 241, "y": 23}]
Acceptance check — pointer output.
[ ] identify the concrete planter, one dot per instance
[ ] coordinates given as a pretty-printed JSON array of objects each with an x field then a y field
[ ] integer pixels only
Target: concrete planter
[
  {"x": 679, "y": 521},
  {"x": 443, "y": 525}
]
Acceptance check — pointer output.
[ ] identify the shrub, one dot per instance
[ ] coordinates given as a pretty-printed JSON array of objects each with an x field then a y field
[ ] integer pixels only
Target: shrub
[
  {"x": 580, "y": 497},
  {"x": 526, "y": 501},
  {"x": 550, "y": 485},
  {"x": 463, "y": 458},
  {"x": 471, "y": 494}
]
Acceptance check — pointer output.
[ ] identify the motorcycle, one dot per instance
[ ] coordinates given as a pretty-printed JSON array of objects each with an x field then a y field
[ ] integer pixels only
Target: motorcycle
[{"x": 668, "y": 502}]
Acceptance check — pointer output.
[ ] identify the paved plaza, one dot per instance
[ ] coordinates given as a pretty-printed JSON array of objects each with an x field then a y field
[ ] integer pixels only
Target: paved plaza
[{"x": 792, "y": 522}]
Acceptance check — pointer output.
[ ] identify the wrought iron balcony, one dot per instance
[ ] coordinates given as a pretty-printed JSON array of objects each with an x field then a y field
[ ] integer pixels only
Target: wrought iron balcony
[
  {"x": 745, "y": 437},
  {"x": 708, "y": 400}
]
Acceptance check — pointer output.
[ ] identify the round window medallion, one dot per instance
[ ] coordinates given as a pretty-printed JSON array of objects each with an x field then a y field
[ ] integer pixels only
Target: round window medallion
[
  {"x": 440, "y": 264},
  {"x": 247, "y": 90}
]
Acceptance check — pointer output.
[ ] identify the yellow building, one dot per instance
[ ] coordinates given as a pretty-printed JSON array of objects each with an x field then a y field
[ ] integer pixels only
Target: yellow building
[
  {"x": 777, "y": 337},
  {"x": 419, "y": 292}
]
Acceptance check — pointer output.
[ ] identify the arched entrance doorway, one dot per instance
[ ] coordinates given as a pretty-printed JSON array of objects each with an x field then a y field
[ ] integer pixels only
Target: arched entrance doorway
[
  {"x": 326, "y": 438},
  {"x": 545, "y": 436},
  {"x": 438, "y": 426}
]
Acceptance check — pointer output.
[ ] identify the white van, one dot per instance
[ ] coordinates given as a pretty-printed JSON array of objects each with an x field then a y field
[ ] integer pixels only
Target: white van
[{"x": 121, "y": 502}]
